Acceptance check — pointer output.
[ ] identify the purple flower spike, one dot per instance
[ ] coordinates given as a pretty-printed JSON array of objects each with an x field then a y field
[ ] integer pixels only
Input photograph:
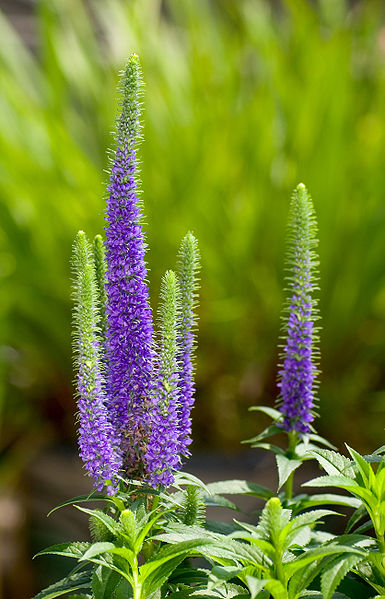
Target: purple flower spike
[
  {"x": 188, "y": 283},
  {"x": 97, "y": 441},
  {"x": 129, "y": 352},
  {"x": 162, "y": 457},
  {"x": 300, "y": 356}
]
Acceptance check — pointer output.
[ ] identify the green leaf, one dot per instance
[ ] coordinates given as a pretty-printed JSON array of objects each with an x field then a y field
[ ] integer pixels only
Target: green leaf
[
  {"x": 333, "y": 462},
  {"x": 112, "y": 525},
  {"x": 359, "y": 513},
  {"x": 285, "y": 468},
  {"x": 271, "y": 430},
  {"x": 276, "y": 589},
  {"x": 221, "y": 574},
  {"x": 300, "y": 504},
  {"x": 272, "y": 412},
  {"x": 332, "y": 481},
  {"x": 185, "y": 478},
  {"x": 104, "y": 582},
  {"x": 314, "y": 554},
  {"x": 270, "y": 447},
  {"x": 241, "y": 487},
  {"x": 321, "y": 440},
  {"x": 161, "y": 574},
  {"x": 335, "y": 571},
  {"x": 219, "y": 501},
  {"x": 81, "y": 499},
  {"x": 78, "y": 580},
  {"x": 255, "y": 586},
  {"x": 167, "y": 553},
  {"x": 97, "y": 549},
  {"x": 304, "y": 576},
  {"x": 364, "y": 468},
  {"x": 318, "y": 595},
  {"x": 75, "y": 550},
  {"x": 123, "y": 590}
]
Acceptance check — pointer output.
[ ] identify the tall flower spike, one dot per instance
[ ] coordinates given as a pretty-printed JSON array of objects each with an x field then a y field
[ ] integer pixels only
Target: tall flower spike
[
  {"x": 100, "y": 271},
  {"x": 96, "y": 435},
  {"x": 188, "y": 268},
  {"x": 162, "y": 449},
  {"x": 129, "y": 336},
  {"x": 300, "y": 355}
]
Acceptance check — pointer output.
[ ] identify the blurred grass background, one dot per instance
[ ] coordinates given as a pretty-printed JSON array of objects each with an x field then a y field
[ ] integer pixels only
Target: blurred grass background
[{"x": 244, "y": 99}]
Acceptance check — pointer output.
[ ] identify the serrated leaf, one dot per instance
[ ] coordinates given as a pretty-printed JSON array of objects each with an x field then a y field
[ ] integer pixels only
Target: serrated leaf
[
  {"x": 255, "y": 586},
  {"x": 314, "y": 554},
  {"x": 223, "y": 528},
  {"x": 332, "y": 481},
  {"x": 109, "y": 522},
  {"x": 97, "y": 549},
  {"x": 285, "y": 468},
  {"x": 276, "y": 589},
  {"x": 318, "y": 595},
  {"x": 364, "y": 468},
  {"x": 123, "y": 590},
  {"x": 333, "y": 463},
  {"x": 241, "y": 487},
  {"x": 104, "y": 582},
  {"x": 158, "y": 576},
  {"x": 335, "y": 572},
  {"x": 74, "y": 582},
  {"x": 74, "y": 550},
  {"x": 221, "y": 574},
  {"x": 167, "y": 553},
  {"x": 215, "y": 500},
  {"x": 185, "y": 478},
  {"x": 304, "y": 576},
  {"x": 328, "y": 499}
]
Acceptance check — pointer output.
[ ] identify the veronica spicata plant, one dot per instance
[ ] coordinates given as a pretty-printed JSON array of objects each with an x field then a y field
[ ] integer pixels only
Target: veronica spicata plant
[{"x": 135, "y": 390}]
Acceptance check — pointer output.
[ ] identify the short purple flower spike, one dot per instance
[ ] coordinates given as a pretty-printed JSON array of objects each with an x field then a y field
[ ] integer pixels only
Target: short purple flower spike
[
  {"x": 188, "y": 284},
  {"x": 97, "y": 443},
  {"x": 300, "y": 356},
  {"x": 162, "y": 456}
]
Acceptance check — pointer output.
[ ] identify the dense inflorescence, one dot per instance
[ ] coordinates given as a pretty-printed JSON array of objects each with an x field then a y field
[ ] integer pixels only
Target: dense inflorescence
[
  {"x": 188, "y": 283},
  {"x": 129, "y": 346},
  {"x": 96, "y": 436},
  {"x": 297, "y": 375},
  {"x": 137, "y": 409},
  {"x": 162, "y": 455}
]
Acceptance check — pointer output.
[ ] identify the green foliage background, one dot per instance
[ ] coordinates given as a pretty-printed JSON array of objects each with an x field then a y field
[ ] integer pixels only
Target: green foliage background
[{"x": 243, "y": 100}]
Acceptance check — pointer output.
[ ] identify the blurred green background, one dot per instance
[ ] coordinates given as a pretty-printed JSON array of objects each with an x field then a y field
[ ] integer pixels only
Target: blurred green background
[{"x": 244, "y": 99}]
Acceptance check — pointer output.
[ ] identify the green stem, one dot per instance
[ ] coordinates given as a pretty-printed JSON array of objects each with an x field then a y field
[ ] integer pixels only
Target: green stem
[
  {"x": 289, "y": 486},
  {"x": 136, "y": 584},
  {"x": 279, "y": 570},
  {"x": 290, "y": 453},
  {"x": 381, "y": 543}
]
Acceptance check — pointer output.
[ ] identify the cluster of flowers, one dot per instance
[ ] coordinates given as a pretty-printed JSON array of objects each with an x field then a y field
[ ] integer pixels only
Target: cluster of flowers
[{"x": 135, "y": 391}]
